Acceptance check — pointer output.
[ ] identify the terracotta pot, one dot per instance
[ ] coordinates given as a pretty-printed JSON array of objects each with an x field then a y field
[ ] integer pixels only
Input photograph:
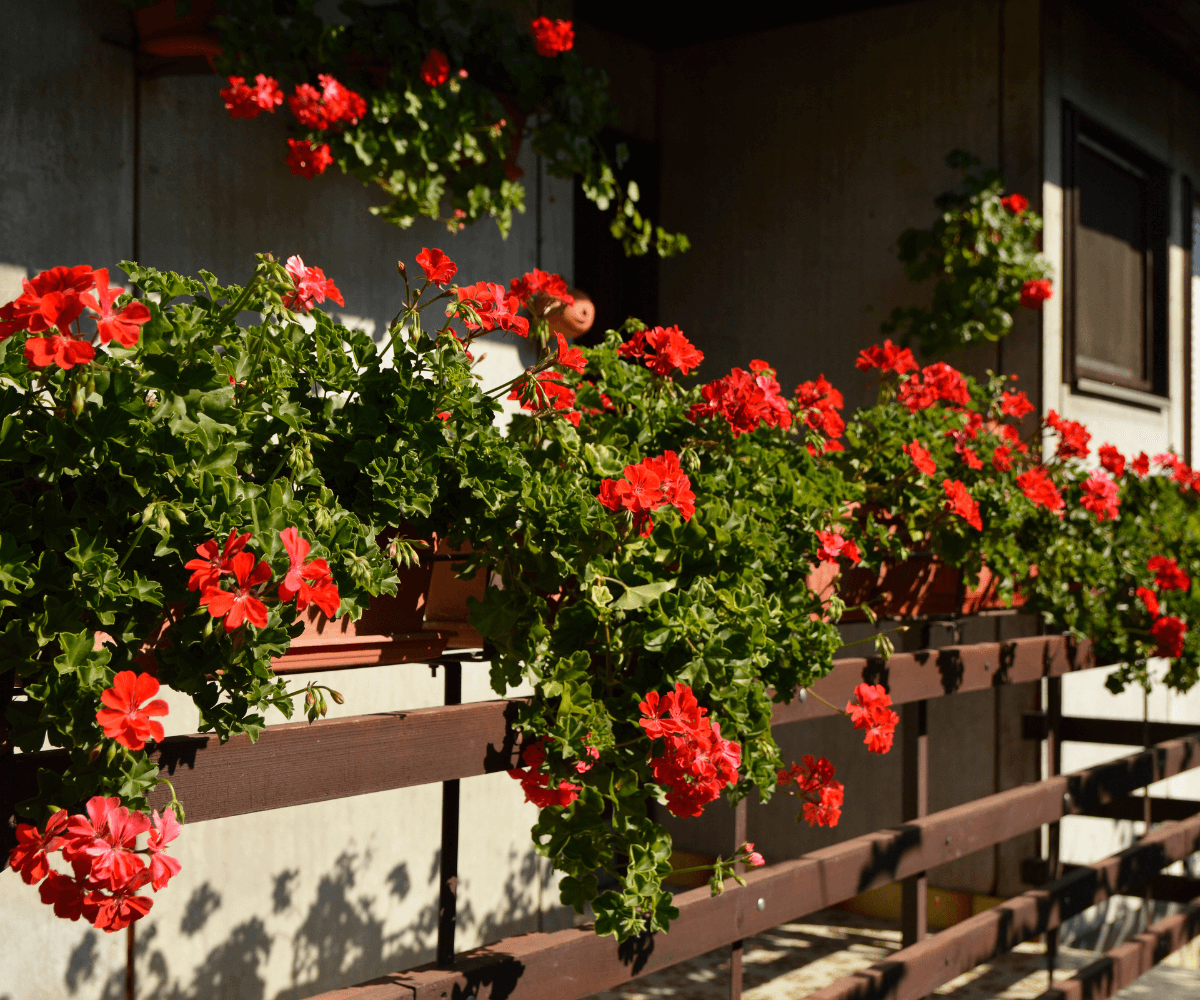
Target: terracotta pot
[
  {"x": 575, "y": 320},
  {"x": 391, "y": 630},
  {"x": 446, "y": 607},
  {"x": 162, "y": 33},
  {"x": 921, "y": 585}
]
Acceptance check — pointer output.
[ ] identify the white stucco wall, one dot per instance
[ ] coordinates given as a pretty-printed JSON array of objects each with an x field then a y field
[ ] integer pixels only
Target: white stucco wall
[{"x": 286, "y": 903}]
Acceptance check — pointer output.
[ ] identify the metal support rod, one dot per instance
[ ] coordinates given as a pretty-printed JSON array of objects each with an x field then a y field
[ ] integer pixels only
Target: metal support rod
[
  {"x": 130, "y": 953},
  {"x": 1053, "y": 769},
  {"x": 914, "y": 890},
  {"x": 735, "y": 950},
  {"x": 448, "y": 884}
]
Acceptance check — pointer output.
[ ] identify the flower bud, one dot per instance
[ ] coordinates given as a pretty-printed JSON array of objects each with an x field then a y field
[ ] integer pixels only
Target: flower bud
[
  {"x": 337, "y": 697},
  {"x": 401, "y": 268}
]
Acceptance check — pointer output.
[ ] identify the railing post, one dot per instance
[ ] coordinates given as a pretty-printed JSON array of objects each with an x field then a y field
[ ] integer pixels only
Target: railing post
[
  {"x": 914, "y": 805},
  {"x": 1053, "y": 769},
  {"x": 735, "y": 950},
  {"x": 448, "y": 882}
]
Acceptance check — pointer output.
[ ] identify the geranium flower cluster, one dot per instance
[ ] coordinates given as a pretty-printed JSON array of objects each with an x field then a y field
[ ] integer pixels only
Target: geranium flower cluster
[
  {"x": 647, "y": 486},
  {"x": 936, "y": 383},
  {"x": 306, "y": 580},
  {"x": 664, "y": 350},
  {"x": 331, "y": 107},
  {"x": 494, "y": 309},
  {"x": 552, "y": 38},
  {"x": 54, "y": 301},
  {"x": 745, "y": 400},
  {"x": 538, "y": 285},
  {"x": 812, "y": 781},
  {"x": 817, "y": 405},
  {"x": 311, "y": 287},
  {"x": 872, "y": 714},
  {"x": 1167, "y": 631},
  {"x": 537, "y": 785},
  {"x": 695, "y": 763},
  {"x": 107, "y": 866},
  {"x": 833, "y": 545}
]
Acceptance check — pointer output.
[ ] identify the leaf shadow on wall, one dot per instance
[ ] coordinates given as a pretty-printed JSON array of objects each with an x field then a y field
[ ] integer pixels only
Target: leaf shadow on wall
[{"x": 340, "y": 940}]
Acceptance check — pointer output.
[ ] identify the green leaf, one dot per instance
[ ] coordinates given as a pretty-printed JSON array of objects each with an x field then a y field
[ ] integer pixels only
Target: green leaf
[{"x": 640, "y": 597}]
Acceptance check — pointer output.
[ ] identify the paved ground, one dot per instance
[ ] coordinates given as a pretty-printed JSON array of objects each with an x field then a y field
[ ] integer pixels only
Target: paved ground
[{"x": 794, "y": 960}]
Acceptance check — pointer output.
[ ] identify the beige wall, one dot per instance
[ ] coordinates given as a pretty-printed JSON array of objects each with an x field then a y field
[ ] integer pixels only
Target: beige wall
[{"x": 794, "y": 158}]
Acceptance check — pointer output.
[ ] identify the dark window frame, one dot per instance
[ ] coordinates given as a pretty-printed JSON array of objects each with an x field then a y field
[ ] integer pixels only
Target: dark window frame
[{"x": 1156, "y": 226}]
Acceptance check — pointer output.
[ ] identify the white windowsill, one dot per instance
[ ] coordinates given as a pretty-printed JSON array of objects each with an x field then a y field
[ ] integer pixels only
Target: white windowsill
[{"x": 1120, "y": 394}]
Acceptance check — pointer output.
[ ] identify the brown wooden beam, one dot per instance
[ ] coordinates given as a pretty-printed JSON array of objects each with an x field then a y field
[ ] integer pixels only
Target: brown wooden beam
[
  {"x": 298, "y": 762},
  {"x": 1118, "y": 968},
  {"x": 1119, "y": 732},
  {"x": 914, "y": 972}
]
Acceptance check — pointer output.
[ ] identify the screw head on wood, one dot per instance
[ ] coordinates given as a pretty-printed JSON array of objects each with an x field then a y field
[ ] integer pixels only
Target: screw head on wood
[
  {"x": 947, "y": 841},
  {"x": 762, "y": 905}
]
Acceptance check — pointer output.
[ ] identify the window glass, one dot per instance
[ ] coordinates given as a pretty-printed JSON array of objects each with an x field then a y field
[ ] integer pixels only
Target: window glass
[{"x": 1110, "y": 279}]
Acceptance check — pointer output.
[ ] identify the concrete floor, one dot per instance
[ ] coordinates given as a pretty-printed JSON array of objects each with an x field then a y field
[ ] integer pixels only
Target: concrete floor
[{"x": 794, "y": 960}]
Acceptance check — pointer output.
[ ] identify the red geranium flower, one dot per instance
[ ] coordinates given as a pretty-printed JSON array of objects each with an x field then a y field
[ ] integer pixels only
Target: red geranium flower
[
  {"x": 25, "y": 312},
  {"x": 538, "y": 284},
  {"x": 569, "y": 357},
  {"x": 552, "y": 37},
  {"x": 239, "y": 605},
  {"x": 664, "y": 349},
  {"x": 494, "y": 307},
  {"x": 124, "y": 326},
  {"x": 64, "y": 351},
  {"x": 1141, "y": 464},
  {"x": 118, "y": 911},
  {"x": 1168, "y": 633},
  {"x": 242, "y": 101},
  {"x": 311, "y": 287},
  {"x": 332, "y": 104},
  {"x": 1149, "y": 599},
  {"x": 1167, "y": 573},
  {"x": 125, "y": 719},
  {"x": 920, "y": 458},
  {"x": 306, "y": 160},
  {"x": 936, "y": 383},
  {"x": 1073, "y": 436},
  {"x": 435, "y": 70},
  {"x": 1100, "y": 496},
  {"x": 872, "y": 714},
  {"x": 1036, "y": 485},
  {"x": 309, "y": 580},
  {"x": 815, "y": 778},
  {"x": 1112, "y": 460},
  {"x": 1015, "y": 404},
  {"x": 1015, "y": 203},
  {"x": 1036, "y": 291},
  {"x": 1002, "y": 458},
  {"x": 29, "y": 856},
  {"x": 67, "y": 897},
  {"x": 832, "y": 545},
  {"x": 960, "y": 502},
  {"x": 437, "y": 266},
  {"x": 887, "y": 358},
  {"x": 163, "y": 867},
  {"x": 214, "y": 561}
]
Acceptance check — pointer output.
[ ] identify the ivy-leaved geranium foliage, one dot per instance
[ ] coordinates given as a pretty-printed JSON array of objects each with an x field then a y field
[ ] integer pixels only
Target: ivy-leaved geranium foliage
[
  {"x": 178, "y": 484},
  {"x": 982, "y": 257},
  {"x": 430, "y": 103},
  {"x": 958, "y": 469},
  {"x": 687, "y": 579}
]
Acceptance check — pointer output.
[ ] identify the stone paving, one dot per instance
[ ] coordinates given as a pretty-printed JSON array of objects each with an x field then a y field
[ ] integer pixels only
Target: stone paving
[{"x": 796, "y": 959}]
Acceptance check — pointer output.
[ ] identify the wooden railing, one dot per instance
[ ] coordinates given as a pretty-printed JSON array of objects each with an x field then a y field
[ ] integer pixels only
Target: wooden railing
[{"x": 299, "y": 763}]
